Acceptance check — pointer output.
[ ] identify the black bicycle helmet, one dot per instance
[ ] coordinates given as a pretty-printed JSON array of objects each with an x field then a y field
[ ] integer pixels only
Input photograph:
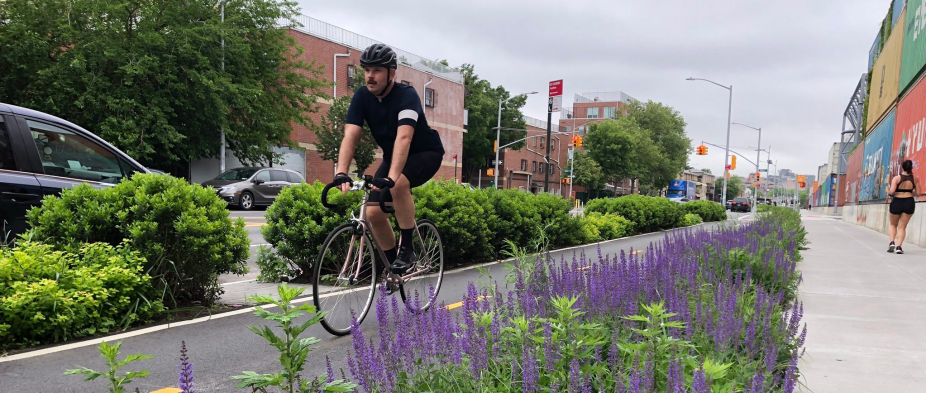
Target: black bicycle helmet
[{"x": 379, "y": 55}]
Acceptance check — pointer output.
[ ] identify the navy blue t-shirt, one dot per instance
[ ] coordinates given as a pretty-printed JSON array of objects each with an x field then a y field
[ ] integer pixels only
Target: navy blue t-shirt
[{"x": 400, "y": 107}]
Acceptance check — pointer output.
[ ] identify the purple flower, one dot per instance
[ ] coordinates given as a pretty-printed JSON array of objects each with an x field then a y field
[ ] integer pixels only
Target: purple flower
[
  {"x": 186, "y": 370},
  {"x": 530, "y": 373}
]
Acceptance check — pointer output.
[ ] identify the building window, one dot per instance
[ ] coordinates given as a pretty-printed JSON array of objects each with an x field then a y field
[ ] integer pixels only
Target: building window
[
  {"x": 524, "y": 165},
  {"x": 568, "y": 128},
  {"x": 581, "y": 130},
  {"x": 351, "y": 76},
  {"x": 593, "y": 113},
  {"x": 429, "y": 98},
  {"x": 550, "y": 168},
  {"x": 541, "y": 167},
  {"x": 533, "y": 166},
  {"x": 609, "y": 112},
  {"x": 542, "y": 139}
]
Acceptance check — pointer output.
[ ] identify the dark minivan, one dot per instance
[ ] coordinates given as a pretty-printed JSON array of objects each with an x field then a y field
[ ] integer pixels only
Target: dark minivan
[{"x": 41, "y": 154}]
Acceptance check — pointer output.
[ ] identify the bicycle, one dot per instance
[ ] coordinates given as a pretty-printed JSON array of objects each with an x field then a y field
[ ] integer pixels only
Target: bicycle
[{"x": 346, "y": 269}]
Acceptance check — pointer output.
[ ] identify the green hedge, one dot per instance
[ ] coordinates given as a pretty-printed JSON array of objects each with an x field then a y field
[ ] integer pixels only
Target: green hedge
[
  {"x": 464, "y": 217},
  {"x": 297, "y": 223},
  {"x": 609, "y": 226},
  {"x": 183, "y": 231},
  {"x": 708, "y": 210},
  {"x": 49, "y": 296},
  {"x": 648, "y": 214},
  {"x": 690, "y": 219}
]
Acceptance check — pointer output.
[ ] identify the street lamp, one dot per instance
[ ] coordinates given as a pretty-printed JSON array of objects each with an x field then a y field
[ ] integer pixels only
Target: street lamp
[
  {"x": 498, "y": 132},
  {"x": 758, "y": 152},
  {"x": 726, "y": 159}
]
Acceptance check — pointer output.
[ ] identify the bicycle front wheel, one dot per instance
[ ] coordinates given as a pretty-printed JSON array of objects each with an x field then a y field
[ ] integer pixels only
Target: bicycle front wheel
[
  {"x": 423, "y": 280},
  {"x": 344, "y": 279}
]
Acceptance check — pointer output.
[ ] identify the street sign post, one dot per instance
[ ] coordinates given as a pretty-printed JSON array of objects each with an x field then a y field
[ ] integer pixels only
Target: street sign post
[{"x": 553, "y": 105}]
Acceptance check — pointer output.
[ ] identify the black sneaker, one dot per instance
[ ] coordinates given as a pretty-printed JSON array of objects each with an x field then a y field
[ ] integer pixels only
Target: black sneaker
[
  {"x": 404, "y": 260},
  {"x": 890, "y": 248},
  {"x": 899, "y": 250}
]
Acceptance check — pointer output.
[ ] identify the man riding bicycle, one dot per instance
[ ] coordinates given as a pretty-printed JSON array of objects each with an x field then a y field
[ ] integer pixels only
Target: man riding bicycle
[{"x": 412, "y": 151}]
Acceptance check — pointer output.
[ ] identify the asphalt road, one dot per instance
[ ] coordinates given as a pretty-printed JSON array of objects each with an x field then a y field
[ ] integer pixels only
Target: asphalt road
[
  {"x": 222, "y": 347},
  {"x": 254, "y": 220}
]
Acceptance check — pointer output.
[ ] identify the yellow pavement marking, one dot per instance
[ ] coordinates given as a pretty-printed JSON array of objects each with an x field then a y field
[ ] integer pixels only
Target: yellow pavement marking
[
  {"x": 167, "y": 390},
  {"x": 636, "y": 252},
  {"x": 255, "y": 224},
  {"x": 460, "y": 304}
]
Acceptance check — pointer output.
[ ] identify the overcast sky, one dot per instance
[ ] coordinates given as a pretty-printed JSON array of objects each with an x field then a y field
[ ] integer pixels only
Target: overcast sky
[{"x": 793, "y": 64}]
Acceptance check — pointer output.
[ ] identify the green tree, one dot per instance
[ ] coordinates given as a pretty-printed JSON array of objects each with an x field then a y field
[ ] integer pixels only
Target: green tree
[
  {"x": 152, "y": 77},
  {"x": 331, "y": 131},
  {"x": 804, "y": 196},
  {"x": 613, "y": 145},
  {"x": 734, "y": 188},
  {"x": 665, "y": 127},
  {"x": 481, "y": 103},
  {"x": 588, "y": 173},
  {"x": 706, "y": 170}
]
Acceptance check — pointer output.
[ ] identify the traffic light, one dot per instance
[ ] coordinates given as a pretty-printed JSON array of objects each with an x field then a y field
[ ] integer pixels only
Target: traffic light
[
  {"x": 578, "y": 141},
  {"x": 566, "y": 180},
  {"x": 733, "y": 162},
  {"x": 702, "y": 150},
  {"x": 758, "y": 176},
  {"x": 495, "y": 146},
  {"x": 490, "y": 172}
]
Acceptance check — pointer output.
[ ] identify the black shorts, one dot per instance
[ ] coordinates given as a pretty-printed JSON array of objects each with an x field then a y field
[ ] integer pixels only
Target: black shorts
[
  {"x": 419, "y": 168},
  {"x": 902, "y": 205}
]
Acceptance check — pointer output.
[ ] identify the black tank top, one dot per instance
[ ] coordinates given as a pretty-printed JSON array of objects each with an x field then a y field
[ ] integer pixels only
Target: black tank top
[{"x": 904, "y": 178}]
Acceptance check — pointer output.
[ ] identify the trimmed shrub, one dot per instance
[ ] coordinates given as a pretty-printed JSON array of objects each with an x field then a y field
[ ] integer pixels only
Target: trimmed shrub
[
  {"x": 648, "y": 214},
  {"x": 50, "y": 296},
  {"x": 183, "y": 231},
  {"x": 709, "y": 211},
  {"x": 463, "y": 218},
  {"x": 298, "y": 224},
  {"x": 690, "y": 219},
  {"x": 516, "y": 217},
  {"x": 559, "y": 225},
  {"x": 610, "y": 226}
]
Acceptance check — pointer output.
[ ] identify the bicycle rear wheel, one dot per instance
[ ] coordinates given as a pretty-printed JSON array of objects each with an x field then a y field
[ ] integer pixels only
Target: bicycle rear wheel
[
  {"x": 423, "y": 280},
  {"x": 344, "y": 278}
]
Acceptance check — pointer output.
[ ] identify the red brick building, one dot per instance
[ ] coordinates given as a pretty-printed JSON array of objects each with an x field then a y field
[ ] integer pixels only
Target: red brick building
[
  {"x": 594, "y": 108},
  {"x": 440, "y": 88}
]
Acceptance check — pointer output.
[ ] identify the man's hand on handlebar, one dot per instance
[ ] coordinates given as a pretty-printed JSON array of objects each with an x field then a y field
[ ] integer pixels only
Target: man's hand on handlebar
[
  {"x": 343, "y": 182},
  {"x": 380, "y": 183}
]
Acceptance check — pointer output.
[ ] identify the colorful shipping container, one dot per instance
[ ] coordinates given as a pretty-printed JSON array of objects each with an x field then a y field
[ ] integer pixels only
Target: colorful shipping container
[
  {"x": 876, "y": 164},
  {"x": 849, "y": 192},
  {"x": 885, "y": 77},
  {"x": 914, "y": 45},
  {"x": 909, "y": 135}
]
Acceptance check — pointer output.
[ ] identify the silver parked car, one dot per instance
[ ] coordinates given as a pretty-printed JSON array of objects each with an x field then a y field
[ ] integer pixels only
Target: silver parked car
[{"x": 248, "y": 187}]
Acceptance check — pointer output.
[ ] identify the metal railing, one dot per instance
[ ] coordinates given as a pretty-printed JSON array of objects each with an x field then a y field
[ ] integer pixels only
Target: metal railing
[{"x": 356, "y": 41}]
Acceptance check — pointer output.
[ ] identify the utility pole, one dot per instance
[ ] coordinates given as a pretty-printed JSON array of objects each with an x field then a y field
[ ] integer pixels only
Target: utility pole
[{"x": 222, "y": 129}]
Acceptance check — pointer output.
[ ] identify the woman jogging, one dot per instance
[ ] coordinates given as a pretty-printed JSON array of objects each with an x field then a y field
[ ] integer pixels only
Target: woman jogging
[{"x": 903, "y": 203}]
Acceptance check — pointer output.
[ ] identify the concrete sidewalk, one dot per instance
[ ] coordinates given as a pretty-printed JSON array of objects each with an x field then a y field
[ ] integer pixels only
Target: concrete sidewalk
[{"x": 865, "y": 311}]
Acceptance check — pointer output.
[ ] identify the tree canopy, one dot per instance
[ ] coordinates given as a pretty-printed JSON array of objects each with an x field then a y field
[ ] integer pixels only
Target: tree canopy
[{"x": 153, "y": 78}]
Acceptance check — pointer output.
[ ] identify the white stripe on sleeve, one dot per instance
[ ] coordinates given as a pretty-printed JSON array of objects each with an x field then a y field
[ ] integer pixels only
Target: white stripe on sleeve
[{"x": 408, "y": 114}]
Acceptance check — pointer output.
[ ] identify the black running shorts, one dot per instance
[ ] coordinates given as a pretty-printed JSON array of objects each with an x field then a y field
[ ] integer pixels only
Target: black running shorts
[
  {"x": 902, "y": 205},
  {"x": 419, "y": 168}
]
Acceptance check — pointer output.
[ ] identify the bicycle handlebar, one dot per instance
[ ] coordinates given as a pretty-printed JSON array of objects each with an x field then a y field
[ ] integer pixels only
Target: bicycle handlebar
[{"x": 367, "y": 183}]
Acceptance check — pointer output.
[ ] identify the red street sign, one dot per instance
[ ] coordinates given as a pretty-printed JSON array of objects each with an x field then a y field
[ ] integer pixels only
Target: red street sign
[
  {"x": 728, "y": 167},
  {"x": 556, "y": 88}
]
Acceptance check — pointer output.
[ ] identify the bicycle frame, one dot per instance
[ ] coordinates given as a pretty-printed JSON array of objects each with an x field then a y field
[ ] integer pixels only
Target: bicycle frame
[{"x": 367, "y": 235}]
